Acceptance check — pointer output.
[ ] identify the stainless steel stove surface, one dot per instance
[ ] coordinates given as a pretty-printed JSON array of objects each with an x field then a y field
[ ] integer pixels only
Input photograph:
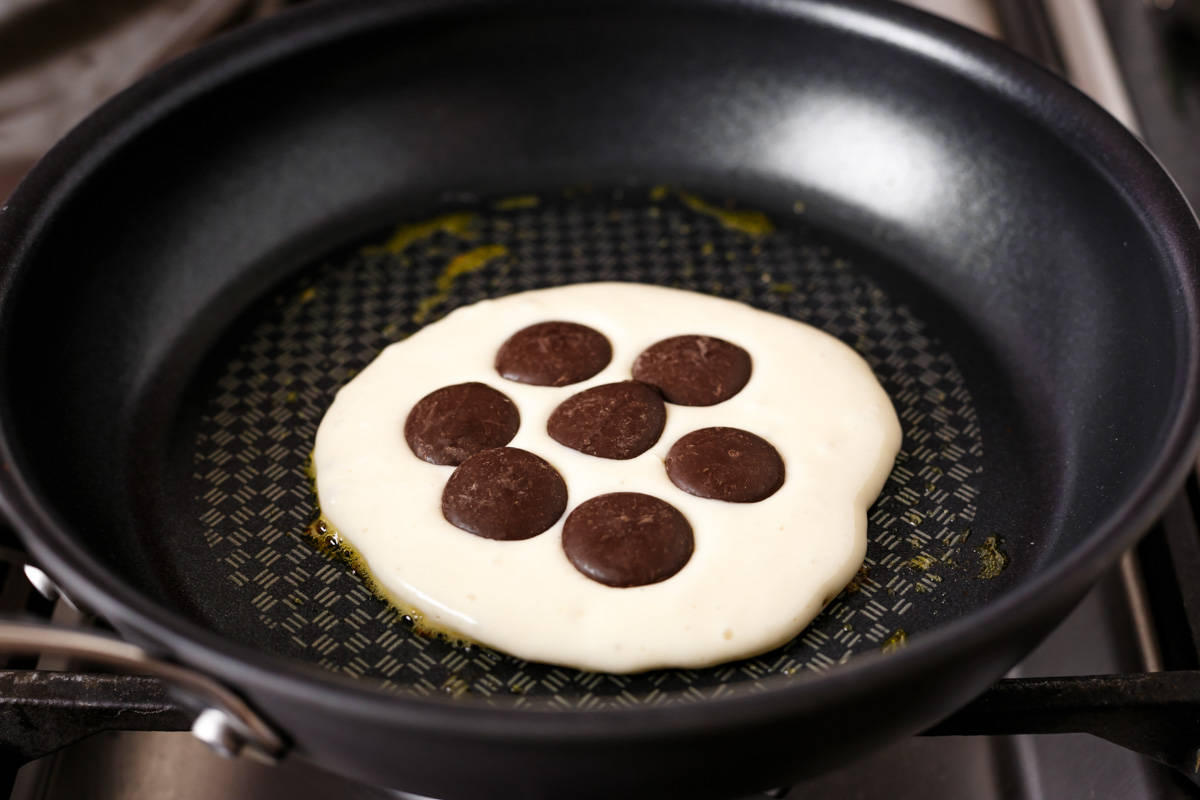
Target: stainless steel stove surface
[{"x": 1137, "y": 619}]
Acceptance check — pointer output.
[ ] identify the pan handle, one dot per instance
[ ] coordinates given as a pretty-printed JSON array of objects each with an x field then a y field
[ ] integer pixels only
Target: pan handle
[{"x": 226, "y": 724}]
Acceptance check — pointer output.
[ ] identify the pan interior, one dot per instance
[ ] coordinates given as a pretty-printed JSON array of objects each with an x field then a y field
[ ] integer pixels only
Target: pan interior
[{"x": 244, "y": 566}]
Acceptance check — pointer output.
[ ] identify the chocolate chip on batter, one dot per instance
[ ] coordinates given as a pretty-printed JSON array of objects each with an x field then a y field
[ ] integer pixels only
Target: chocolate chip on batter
[
  {"x": 627, "y": 539},
  {"x": 615, "y": 420},
  {"x": 451, "y": 424},
  {"x": 553, "y": 354},
  {"x": 694, "y": 370},
  {"x": 725, "y": 464},
  {"x": 504, "y": 493}
]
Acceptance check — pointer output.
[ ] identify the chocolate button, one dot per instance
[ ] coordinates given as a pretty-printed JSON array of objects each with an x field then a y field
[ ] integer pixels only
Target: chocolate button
[
  {"x": 504, "y": 493},
  {"x": 553, "y": 354},
  {"x": 627, "y": 539},
  {"x": 694, "y": 370},
  {"x": 451, "y": 424},
  {"x": 725, "y": 464},
  {"x": 616, "y": 420}
]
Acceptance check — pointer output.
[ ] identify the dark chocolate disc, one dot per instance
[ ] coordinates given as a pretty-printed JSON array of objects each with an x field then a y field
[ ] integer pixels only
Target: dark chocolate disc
[
  {"x": 451, "y": 424},
  {"x": 725, "y": 464},
  {"x": 553, "y": 354},
  {"x": 504, "y": 493},
  {"x": 627, "y": 539},
  {"x": 615, "y": 420},
  {"x": 694, "y": 370}
]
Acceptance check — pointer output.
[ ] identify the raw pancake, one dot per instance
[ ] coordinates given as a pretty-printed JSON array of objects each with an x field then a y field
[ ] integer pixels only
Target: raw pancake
[{"x": 759, "y": 572}]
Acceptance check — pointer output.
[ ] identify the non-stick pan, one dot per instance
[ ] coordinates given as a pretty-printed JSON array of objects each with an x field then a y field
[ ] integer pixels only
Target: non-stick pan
[{"x": 192, "y": 273}]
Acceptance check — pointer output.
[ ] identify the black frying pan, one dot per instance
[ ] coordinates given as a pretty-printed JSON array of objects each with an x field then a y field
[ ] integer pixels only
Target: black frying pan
[{"x": 190, "y": 275}]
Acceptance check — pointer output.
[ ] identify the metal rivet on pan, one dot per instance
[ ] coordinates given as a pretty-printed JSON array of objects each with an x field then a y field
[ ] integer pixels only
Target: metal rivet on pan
[
  {"x": 227, "y": 736},
  {"x": 217, "y": 730},
  {"x": 45, "y": 586}
]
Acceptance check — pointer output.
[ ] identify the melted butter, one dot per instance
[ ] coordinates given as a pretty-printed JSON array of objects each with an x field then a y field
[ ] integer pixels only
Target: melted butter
[
  {"x": 516, "y": 201},
  {"x": 754, "y": 223},
  {"x": 895, "y": 641},
  {"x": 992, "y": 560},
  {"x": 921, "y": 562},
  {"x": 333, "y": 545},
  {"x": 456, "y": 224},
  {"x": 470, "y": 261},
  {"x": 860, "y": 578}
]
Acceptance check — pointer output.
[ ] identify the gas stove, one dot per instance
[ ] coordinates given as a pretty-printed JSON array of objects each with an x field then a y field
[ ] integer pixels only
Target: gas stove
[{"x": 1143, "y": 64}]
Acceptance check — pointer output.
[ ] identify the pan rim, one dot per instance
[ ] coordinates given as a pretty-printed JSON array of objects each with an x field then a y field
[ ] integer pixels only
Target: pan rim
[{"x": 1022, "y": 83}]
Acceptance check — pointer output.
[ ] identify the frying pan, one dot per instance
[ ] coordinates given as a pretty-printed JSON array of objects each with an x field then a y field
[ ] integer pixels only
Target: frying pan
[{"x": 191, "y": 273}]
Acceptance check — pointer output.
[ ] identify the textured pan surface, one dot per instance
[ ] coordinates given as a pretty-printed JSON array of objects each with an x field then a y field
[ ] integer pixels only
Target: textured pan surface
[{"x": 276, "y": 376}]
